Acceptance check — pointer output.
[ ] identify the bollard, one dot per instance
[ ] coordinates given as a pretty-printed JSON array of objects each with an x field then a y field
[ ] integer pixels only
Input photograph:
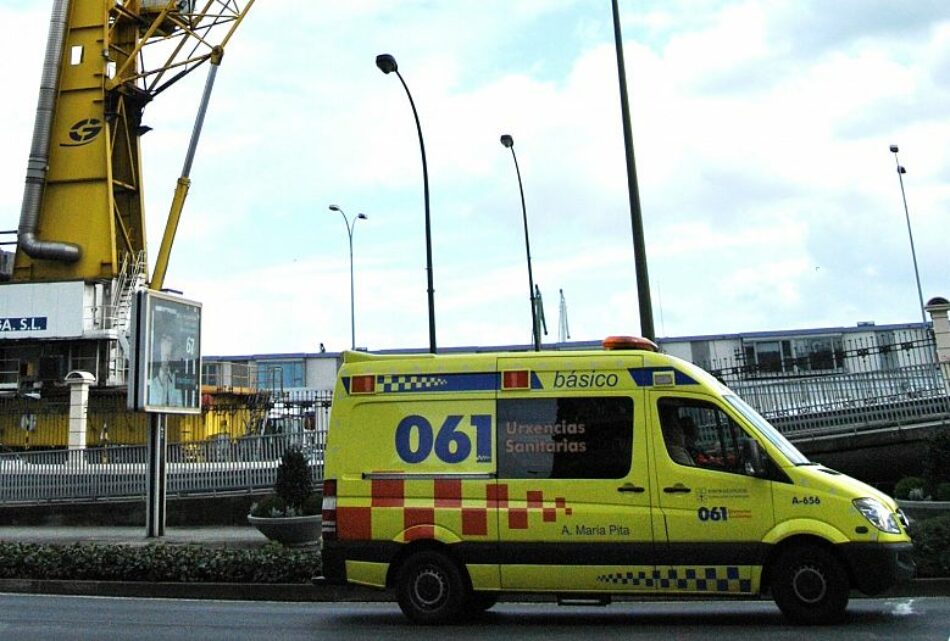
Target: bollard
[{"x": 79, "y": 383}]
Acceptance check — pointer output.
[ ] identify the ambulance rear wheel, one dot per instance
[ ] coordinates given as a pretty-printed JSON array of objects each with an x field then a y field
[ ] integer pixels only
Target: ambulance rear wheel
[
  {"x": 430, "y": 588},
  {"x": 810, "y": 586}
]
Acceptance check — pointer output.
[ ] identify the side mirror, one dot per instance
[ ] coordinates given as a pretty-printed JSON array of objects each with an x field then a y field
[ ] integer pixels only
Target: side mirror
[{"x": 754, "y": 460}]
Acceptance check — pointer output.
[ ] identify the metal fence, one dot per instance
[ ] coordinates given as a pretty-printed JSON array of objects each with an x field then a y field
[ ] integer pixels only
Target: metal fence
[
  {"x": 226, "y": 463},
  {"x": 865, "y": 386},
  {"x": 109, "y": 473}
]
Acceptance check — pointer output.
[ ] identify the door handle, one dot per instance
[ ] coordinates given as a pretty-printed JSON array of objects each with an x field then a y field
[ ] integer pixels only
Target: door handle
[
  {"x": 679, "y": 488},
  {"x": 631, "y": 487}
]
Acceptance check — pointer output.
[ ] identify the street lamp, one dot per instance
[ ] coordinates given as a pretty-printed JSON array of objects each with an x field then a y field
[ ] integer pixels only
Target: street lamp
[
  {"x": 913, "y": 253},
  {"x": 509, "y": 142},
  {"x": 387, "y": 64},
  {"x": 633, "y": 189},
  {"x": 349, "y": 233}
]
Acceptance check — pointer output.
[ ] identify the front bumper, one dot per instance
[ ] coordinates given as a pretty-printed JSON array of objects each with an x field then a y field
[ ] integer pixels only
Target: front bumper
[{"x": 875, "y": 567}]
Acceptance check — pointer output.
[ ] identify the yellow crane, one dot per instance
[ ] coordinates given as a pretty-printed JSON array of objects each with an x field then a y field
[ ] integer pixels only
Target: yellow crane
[
  {"x": 83, "y": 216},
  {"x": 81, "y": 250}
]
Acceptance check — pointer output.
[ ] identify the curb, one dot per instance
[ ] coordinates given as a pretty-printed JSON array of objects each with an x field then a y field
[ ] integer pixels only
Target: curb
[
  {"x": 290, "y": 592},
  {"x": 308, "y": 593}
]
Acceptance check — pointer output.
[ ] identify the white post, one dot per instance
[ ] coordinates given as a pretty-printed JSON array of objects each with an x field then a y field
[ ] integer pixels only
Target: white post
[
  {"x": 938, "y": 308},
  {"x": 79, "y": 383}
]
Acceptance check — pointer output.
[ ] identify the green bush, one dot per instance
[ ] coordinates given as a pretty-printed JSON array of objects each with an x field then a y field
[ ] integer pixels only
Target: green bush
[
  {"x": 269, "y": 507},
  {"x": 942, "y": 493},
  {"x": 937, "y": 459},
  {"x": 293, "y": 479},
  {"x": 272, "y": 563},
  {"x": 932, "y": 546},
  {"x": 313, "y": 504},
  {"x": 906, "y": 486}
]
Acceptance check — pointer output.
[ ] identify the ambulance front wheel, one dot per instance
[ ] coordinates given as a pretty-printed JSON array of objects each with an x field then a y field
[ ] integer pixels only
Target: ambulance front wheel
[
  {"x": 810, "y": 585},
  {"x": 430, "y": 588}
]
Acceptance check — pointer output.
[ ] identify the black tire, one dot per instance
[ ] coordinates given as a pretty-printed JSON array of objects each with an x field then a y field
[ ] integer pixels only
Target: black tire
[
  {"x": 810, "y": 586},
  {"x": 430, "y": 589}
]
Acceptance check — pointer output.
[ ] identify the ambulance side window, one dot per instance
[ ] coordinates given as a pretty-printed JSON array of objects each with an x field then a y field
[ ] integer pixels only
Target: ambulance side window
[
  {"x": 565, "y": 438},
  {"x": 700, "y": 434}
]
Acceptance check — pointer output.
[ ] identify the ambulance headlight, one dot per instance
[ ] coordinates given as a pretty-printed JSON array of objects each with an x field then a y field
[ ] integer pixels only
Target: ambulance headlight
[{"x": 878, "y": 515}]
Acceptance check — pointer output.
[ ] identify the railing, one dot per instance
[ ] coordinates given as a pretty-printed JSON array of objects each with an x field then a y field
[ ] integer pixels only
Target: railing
[
  {"x": 851, "y": 398},
  {"x": 109, "y": 473}
]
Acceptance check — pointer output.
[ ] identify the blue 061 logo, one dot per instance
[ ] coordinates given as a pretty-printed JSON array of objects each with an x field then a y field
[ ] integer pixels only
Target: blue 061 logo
[{"x": 450, "y": 444}]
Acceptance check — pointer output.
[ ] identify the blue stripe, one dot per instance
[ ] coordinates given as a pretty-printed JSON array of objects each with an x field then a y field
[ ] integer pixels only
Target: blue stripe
[
  {"x": 643, "y": 376},
  {"x": 536, "y": 382}
]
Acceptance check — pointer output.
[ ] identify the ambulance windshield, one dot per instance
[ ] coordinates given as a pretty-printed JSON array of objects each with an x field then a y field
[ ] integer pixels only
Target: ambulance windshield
[{"x": 765, "y": 428}]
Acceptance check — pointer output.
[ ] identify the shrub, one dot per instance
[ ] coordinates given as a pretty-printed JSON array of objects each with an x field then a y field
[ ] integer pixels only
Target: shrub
[
  {"x": 932, "y": 546},
  {"x": 942, "y": 493},
  {"x": 293, "y": 483},
  {"x": 314, "y": 504},
  {"x": 907, "y": 486},
  {"x": 271, "y": 563},
  {"x": 937, "y": 459},
  {"x": 270, "y": 506}
]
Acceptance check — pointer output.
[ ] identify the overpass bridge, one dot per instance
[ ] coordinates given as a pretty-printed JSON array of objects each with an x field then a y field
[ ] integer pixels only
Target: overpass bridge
[{"x": 871, "y": 425}]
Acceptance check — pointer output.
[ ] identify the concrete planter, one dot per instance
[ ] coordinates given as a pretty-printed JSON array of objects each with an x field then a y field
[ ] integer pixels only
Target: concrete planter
[
  {"x": 288, "y": 530},
  {"x": 921, "y": 510}
]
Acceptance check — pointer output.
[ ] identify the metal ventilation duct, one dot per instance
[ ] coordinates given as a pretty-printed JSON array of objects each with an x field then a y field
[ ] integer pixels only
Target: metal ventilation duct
[{"x": 39, "y": 150}]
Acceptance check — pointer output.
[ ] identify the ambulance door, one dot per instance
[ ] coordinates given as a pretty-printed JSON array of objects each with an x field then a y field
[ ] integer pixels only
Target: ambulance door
[
  {"x": 715, "y": 512},
  {"x": 572, "y": 493}
]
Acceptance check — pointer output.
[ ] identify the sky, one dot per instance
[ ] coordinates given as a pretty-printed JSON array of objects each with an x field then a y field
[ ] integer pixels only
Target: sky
[{"x": 761, "y": 130}]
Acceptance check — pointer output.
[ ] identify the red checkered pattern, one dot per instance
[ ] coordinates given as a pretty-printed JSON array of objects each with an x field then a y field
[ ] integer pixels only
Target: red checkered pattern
[{"x": 356, "y": 523}]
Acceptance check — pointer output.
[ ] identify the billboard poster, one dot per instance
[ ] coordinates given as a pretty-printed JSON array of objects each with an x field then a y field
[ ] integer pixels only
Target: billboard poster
[{"x": 166, "y": 364}]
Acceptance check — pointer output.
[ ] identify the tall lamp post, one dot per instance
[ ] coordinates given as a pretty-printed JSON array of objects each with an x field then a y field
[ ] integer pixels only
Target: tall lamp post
[
  {"x": 636, "y": 215},
  {"x": 913, "y": 253},
  {"x": 349, "y": 233},
  {"x": 387, "y": 64},
  {"x": 509, "y": 142}
]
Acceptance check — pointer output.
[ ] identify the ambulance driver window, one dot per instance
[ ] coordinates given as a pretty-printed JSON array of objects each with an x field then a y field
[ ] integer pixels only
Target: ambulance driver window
[
  {"x": 565, "y": 438},
  {"x": 699, "y": 434}
]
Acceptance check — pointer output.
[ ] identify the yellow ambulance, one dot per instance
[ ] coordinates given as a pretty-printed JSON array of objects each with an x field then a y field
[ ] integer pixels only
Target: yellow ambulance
[{"x": 585, "y": 475}]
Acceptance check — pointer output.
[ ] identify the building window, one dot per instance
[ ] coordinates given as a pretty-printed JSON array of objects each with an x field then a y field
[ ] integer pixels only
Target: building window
[
  {"x": 274, "y": 375},
  {"x": 794, "y": 356}
]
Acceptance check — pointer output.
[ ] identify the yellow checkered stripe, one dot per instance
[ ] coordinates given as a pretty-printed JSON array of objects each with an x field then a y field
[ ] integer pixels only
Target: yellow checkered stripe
[
  {"x": 721, "y": 579},
  {"x": 410, "y": 383}
]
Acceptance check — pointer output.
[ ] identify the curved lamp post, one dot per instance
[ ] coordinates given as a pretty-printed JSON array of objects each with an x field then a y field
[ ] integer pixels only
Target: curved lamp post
[
  {"x": 633, "y": 188},
  {"x": 509, "y": 142},
  {"x": 913, "y": 253},
  {"x": 349, "y": 233},
  {"x": 387, "y": 64}
]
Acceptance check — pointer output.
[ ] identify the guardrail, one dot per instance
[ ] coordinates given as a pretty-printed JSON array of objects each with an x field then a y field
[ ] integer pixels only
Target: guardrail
[
  {"x": 850, "y": 402},
  {"x": 110, "y": 473}
]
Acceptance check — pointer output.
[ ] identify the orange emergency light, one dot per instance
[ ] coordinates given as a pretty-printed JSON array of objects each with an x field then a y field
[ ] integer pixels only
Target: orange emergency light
[{"x": 630, "y": 342}]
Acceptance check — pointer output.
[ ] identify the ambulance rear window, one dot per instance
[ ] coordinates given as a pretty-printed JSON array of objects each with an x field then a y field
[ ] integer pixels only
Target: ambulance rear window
[{"x": 565, "y": 438}]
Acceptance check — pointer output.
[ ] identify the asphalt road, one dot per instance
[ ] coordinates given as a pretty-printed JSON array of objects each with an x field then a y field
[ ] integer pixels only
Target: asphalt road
[{"x": 55, "y": 618}]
